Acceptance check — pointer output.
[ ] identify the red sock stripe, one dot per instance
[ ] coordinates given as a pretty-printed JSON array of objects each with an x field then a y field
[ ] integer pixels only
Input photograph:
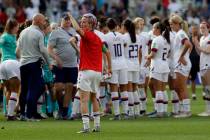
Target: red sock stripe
[
  {"x": 115, "y": 98},
  {"x": 142, "y": 99},
  {"x": 136, "y": 103},
  {"x": 165, "y": 102},
  {"x": 175, "y": 101},
  {"x": 159, "y": 101},
  {"x": 76, "y": 97},
  {"x": 130, "y": 104},
  {"x": 124, "y": 99},
  {"x": 101, "y": 97},
  {"x": 13, "y": 99}
]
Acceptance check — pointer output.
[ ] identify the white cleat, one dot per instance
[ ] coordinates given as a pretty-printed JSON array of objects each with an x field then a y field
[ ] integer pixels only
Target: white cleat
[
  {"x": 204, "y": 114},
  {"x": 183, "y": 115}
]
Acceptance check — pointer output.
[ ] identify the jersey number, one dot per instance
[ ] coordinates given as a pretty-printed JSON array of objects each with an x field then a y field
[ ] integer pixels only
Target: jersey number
[
  {"x": 164, "y": 56},
  {"x": 117, "y": 50},
  {"x": 133, "y": 51}
]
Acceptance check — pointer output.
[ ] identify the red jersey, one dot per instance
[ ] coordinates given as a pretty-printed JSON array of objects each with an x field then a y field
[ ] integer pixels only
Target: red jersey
[{"x": 90, "y": 52}]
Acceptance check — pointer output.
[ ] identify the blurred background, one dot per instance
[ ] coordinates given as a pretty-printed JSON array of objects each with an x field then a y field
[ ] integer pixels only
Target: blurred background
[{"x": 192, "y": 10}]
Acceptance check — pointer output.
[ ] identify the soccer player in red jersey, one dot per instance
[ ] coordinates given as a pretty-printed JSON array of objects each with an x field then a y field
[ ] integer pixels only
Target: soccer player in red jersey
[{"x": 90, "y": 69}]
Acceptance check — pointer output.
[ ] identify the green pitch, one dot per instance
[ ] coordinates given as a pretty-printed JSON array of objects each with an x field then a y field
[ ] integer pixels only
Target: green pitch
[{"x": 194, "y": 128}]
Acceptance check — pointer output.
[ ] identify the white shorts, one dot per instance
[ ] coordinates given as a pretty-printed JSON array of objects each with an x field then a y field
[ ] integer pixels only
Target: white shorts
[
  {"x": 133, "y": 76},
  {"x": 89, "y": 80},
  {"x": 119, "y": 77},
  {"x": 142, "y": 76},
  {"x": 163, "y": 77},
  {"x": 172, "y": 74},
  {"x": 184, "y": 70},
  {"x": 9, "y": 69},
  {"x": 203, "y": 72}
]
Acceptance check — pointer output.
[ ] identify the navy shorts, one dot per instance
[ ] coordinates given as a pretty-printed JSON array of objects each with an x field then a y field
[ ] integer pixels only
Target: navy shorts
[{"x": 65, "y": 75}]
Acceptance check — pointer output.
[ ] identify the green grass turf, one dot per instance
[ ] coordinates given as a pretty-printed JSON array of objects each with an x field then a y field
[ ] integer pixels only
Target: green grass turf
[{"x": 194, "y": 128}]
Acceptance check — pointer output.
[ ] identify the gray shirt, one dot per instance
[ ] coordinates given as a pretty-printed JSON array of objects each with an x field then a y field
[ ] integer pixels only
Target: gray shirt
[
  {"x": 31, "y": 45},
  {"x": 59, "y": 40}
]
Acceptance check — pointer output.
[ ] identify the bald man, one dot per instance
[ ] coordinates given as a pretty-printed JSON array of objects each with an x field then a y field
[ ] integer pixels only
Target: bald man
[{"x": 33, "y": 54}]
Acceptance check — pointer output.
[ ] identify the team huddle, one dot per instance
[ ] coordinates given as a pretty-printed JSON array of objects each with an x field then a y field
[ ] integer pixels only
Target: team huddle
[{"x": 132, "y": 60}]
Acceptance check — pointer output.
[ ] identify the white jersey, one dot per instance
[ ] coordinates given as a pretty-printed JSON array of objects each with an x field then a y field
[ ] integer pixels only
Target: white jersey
[
  {"x": 132, "y": 52},
  {"x": 204, "y": 58},
  {"x": 179, "y": 39},
  {"x": 159, "y": 63},
  {"x": 100, "y": 35},
  {"x": 116, "y": 45},
  {"x": 171, "y": 61},
  {"x": 144, "y": 48}
]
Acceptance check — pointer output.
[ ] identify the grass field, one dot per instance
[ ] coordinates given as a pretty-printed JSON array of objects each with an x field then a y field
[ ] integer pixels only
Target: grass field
[{"x": 194, "y": 128}]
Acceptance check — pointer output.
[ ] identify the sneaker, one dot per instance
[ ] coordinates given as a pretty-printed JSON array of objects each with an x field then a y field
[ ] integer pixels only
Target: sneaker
[
  {"x": 43, "y": 115},
  {"x": 183, "y": 115},
  {"x": 193, "y": 96},
  {"x": 156, "y": 115},
  {"x": 125, "y": 117},
  {"x": 115, "y": 118},
  {"x": 83, "y": 131},
  {"x": 32, "y": 119},
  {"x": 22, "y": 118},
  {"x": 96, "y": 129},
  {"x": 151, "y": 113},
  {"x": 204, "y": 114},
  {"x": 11, "y": 118}
]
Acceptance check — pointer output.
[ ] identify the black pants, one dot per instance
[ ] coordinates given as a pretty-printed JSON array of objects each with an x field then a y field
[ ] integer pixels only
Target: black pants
[{"x": 32, "y": 86}]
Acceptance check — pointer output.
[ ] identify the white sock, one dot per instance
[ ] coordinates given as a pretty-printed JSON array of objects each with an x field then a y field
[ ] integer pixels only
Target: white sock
[
  {"x": 115, "y": 102},
  {"x": 12, "y": 104},
  {"x": 86, "y": 121},
  {"x": 165, "y": 101},
  {"x": 155, "y": 104},
  {"x": 124, "y": 99},
  {"x": 131, "y": 103},
  {"x": 96, "y": 116},
  {"x": 136, "y": 103},
  {"x": 142, "y": 96},
  {"x": 181, "y": 107},
  {"x": 159, "y": 101},
  {"x": 186, "y": 105},
  {"x": 39, "y": 104},
  {"x": 75, "y": 105},
  {"x": 175, "y": 102},
  {"x": 102, "y": 98},
  {"x": 207, "y": 98}
]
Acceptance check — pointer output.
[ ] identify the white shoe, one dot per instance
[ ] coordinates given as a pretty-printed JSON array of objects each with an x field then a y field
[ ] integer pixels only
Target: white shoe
[
  {"x": 204, "y": 114},
  {"x": 183, "y": 115},
  {"x": 44, "y": 115}
]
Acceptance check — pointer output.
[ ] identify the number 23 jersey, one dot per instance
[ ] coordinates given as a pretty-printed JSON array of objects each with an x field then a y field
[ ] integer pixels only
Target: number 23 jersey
[{"x": 132, "y": 52}]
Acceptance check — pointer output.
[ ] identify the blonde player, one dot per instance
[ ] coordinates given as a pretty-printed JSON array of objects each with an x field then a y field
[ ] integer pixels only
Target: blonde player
[
  {"x": 204, "y": 49},
  {"x": 115, "y": 43},
  {"x": 132, "y": 51},
  {"x": 139, "y": 25},
  {"x": 182, "y": 63},
  {"x": 159, "y": 68}
]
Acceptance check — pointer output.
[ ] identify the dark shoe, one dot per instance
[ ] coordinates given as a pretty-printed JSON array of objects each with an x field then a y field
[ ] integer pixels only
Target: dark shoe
[
  {"x": 115, "y": 118},
  {"x": 96, "y": 129},
  {"x": 11, "y": 118}
]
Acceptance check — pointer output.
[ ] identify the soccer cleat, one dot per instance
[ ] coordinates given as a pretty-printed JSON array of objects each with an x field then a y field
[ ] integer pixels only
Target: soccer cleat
[
  {"x": 183, "y": 115},
  {"x": 32, "y": 119},
  {"x": 22, "y": 118},
  {"x": 96, "y": 129},
  {"x": 83, "y": 131},
  {"x": 204, "y": 114},
  {"x": 115, "y": 118},
  {"x": 151, "y": 113},
  {"x": 156, "y": 115},
  {"x": 142, "y": 112},
  {"x": 43, "y": 115},
  {"x": 125, "y": 117},
  {"x": 194, "y": 97}
]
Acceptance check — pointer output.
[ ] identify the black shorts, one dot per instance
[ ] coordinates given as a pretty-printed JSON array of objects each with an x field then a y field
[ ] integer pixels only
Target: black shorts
[
  {"x": 65, "y": 75},
  {"x": 193, "y": 72}
]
